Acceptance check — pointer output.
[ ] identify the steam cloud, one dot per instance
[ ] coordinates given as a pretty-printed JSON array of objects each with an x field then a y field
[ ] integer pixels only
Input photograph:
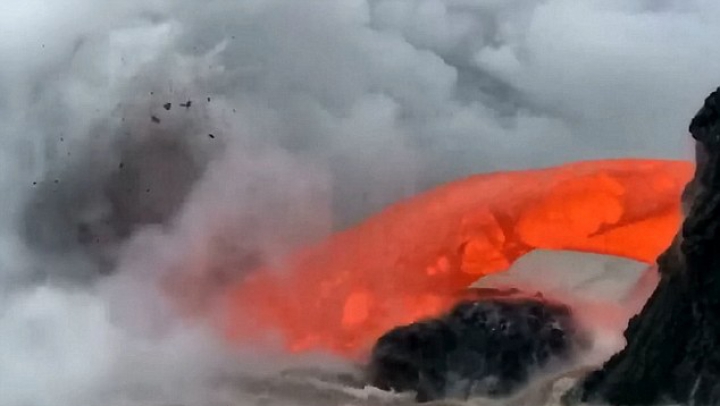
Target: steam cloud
[{"x": 287, "y": 120}]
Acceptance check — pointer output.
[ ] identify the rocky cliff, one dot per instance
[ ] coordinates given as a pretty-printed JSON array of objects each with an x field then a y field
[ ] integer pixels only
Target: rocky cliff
[{"x": 673, "y": 350}]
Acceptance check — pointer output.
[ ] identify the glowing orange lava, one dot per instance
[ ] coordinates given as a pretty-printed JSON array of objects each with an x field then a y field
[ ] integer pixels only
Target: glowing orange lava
[{"x": 415, "y": 258}]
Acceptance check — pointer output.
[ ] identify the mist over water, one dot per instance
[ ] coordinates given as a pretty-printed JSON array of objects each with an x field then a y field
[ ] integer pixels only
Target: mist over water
[{"x": 144, "y": 140}]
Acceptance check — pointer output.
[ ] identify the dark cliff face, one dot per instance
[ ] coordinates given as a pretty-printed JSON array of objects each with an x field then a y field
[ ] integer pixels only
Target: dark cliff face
[
  {"x": 673, "y": 350},
  {"x": 483, "y": 347}
]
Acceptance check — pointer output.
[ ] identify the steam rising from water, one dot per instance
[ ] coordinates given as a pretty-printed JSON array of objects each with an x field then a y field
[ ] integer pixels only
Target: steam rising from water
[{"x": 305, "y": 117}]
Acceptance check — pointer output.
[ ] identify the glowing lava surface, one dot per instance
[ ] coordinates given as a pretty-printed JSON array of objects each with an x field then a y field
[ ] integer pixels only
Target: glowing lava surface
[{"x": 415, "y": 258}]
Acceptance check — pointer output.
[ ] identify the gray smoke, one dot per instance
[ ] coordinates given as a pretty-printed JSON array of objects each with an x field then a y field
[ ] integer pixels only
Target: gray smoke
[{"x": 146, "y": 139}]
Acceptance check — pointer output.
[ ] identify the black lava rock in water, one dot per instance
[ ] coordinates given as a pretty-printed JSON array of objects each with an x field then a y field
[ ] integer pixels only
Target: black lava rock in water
[
  {"x": 673, "y": 350},
  {"x": 483, "y": 347}
]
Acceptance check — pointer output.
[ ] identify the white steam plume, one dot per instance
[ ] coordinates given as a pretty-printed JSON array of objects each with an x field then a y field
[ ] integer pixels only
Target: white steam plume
[{"x": 305, "y": 116}]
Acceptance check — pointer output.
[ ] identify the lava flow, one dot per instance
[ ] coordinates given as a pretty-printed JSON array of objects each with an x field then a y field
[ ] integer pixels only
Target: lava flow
[{"x": 415, "y": 258}]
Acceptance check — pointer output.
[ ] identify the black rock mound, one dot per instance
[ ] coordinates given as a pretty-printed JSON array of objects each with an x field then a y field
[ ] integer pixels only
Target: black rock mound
[{"x": 484, "y": 347}]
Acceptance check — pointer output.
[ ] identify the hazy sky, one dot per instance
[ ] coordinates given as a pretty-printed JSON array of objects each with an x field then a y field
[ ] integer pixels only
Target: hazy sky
[{"x": 305, "y": 115}]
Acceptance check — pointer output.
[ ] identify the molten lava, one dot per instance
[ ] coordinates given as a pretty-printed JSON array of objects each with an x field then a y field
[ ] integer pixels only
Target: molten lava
[{"x": 415, "y": 258}]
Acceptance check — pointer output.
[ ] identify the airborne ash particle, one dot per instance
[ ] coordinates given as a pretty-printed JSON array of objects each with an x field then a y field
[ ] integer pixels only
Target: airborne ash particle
[
  {"x": 122, "y": 165},
  {"x": 208, "y": 99},
  {"x": 211, "y": 136},
  {"x": 155, "y": 119},
  {"x": 187, "y": 104},
  {"x": 167, "y": 106}
]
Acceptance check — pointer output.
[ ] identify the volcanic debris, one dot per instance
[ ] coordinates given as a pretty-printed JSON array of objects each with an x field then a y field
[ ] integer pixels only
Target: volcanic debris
[{"x": 484, "y": 347}]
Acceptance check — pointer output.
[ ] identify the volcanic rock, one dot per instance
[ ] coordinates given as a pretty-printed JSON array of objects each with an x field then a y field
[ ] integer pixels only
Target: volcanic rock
[
  {"x": 673, "y": 350},
  {"x": 482, "y": 347}
]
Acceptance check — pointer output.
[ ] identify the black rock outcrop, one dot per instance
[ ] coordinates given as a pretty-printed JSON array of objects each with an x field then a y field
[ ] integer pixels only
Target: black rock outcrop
[
  {"x": 673, "y": 344},
  {"x": 482, "y": 347}
]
